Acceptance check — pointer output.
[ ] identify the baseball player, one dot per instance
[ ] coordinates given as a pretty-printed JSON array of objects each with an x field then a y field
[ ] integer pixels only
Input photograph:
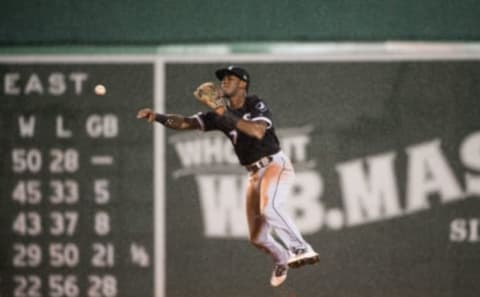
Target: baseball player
[{"x": 247, "y": 121}]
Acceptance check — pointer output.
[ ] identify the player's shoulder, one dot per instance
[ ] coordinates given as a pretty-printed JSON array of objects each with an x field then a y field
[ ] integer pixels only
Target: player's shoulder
[{"x": 255, "y": 103}]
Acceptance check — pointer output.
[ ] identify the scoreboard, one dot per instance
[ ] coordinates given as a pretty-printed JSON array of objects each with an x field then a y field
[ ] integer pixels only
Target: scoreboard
[
  {"x": 76, "y": 205},
  {"x": 96, "y": 203}
]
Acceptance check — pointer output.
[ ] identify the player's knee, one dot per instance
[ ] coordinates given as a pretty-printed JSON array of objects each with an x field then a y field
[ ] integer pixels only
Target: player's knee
[
  {"x": 269, "y": 212},
  {"x": 257, "y": 241},
  {"x": 259, "y": 244}
]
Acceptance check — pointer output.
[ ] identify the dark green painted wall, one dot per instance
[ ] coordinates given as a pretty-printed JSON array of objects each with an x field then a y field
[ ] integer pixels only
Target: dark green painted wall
[
  {"x": 150, "y": 22},
  {"x": 359, "y": 113}
]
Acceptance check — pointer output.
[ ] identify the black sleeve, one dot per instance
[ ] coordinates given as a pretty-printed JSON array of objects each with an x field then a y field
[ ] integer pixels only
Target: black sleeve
[
  {"x": 211, "y": 121},
  {"x": 259, "y": 111},
  {"x": 208, "y": 120}
]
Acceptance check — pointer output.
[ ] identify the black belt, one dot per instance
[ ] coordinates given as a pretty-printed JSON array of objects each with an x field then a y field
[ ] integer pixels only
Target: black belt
[{"x": 263, "y": 162}]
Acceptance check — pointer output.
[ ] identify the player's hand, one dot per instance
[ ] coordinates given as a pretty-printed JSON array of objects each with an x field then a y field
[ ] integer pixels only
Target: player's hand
[{"x": 146, "y": 113}]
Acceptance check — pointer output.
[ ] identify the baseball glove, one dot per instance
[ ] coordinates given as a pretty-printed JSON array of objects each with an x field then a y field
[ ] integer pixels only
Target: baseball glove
[{"x": 210, "y": 95}]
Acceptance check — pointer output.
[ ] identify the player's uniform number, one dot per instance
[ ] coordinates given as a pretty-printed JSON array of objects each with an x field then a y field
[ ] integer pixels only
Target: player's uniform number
[{"x": 233, "y": 136}]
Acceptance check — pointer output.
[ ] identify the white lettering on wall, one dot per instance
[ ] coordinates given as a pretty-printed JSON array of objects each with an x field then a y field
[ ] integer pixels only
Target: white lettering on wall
[
  {"x": 26, "y": 126},
  {"x": 370, "y": 190},
  {"x": 55, "y": 83},
  {"x": 369, "y": 187},
  {"x": 34, "y": 85},
  {"x": 223, "y": 205},
  {"x": 304, "y": 203},
  {"x": 10, "y": 86},
  {"x": 62, "y": 132},
  {"x": 470, "y": 156},
  {"x": 428, "y": 173}
]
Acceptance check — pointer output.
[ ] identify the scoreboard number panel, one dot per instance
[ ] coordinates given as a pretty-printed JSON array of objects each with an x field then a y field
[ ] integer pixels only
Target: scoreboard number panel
[{"x": 70, "y": 157}]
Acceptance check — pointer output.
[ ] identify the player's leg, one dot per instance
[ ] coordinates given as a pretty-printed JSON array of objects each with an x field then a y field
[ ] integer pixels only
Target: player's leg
[
  {"x": 260, "y": 235},
  {"x": 275, "y": 186}
]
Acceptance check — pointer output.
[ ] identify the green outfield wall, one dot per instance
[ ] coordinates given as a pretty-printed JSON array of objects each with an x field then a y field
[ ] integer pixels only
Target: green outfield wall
[
  {"x": 149, "y": 22},
  {"x": 96, "y": 203},
  {"x": 387, "y": 156}
]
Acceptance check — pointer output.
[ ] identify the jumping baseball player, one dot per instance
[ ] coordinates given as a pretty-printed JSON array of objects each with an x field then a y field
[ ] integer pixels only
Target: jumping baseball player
[{"x": 247, "y": 121}]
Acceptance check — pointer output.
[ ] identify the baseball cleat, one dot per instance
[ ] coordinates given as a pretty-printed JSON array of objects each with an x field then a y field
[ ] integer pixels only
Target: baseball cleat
[
  {"x": 303, "y": 257},
  {"x": 279, "y": 275}
]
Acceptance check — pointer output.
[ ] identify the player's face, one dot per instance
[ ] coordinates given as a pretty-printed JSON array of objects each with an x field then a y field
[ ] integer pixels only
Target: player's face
[{"x": 231, "y": 85}]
